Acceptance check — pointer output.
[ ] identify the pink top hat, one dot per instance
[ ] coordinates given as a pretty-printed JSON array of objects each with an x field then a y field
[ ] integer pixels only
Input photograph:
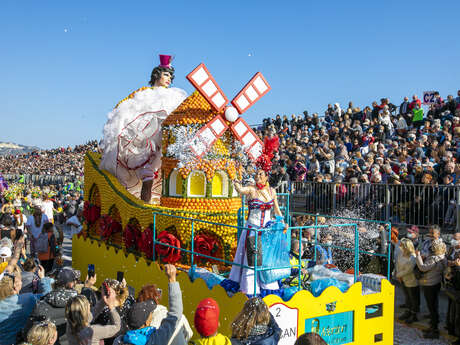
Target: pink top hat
[{"x": 165, "y": 61}]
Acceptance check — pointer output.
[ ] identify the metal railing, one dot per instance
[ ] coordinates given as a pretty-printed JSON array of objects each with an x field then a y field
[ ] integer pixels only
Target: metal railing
[
  {"x": 414, "y": 204},
  {"x": 257, "y": 268}
]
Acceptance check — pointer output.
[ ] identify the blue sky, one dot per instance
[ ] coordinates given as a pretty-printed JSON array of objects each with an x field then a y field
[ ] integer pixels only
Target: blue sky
[{"x": 65, "y": 64}]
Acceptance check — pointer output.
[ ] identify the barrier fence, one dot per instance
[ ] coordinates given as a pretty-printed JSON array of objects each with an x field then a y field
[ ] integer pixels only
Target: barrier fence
[
  {"x": 39, "y": 180},
  {"x": 412, "y": 204}
]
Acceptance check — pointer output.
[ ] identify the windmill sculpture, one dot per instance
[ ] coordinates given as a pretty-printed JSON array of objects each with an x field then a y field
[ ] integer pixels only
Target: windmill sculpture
[{"x": 206, "y": 85}]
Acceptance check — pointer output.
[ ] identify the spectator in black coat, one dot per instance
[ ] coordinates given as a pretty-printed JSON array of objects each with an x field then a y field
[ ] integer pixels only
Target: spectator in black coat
[
  {"x": 453, "y": 286},
  {"x": 404, "y": 107}
]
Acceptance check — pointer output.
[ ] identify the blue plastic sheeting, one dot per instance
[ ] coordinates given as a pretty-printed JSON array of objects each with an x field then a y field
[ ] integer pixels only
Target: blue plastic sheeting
[
  {"x": 318, "y": 286},
  {"x": 276, "y": 245},
  {"x": 211, "y": 279}
]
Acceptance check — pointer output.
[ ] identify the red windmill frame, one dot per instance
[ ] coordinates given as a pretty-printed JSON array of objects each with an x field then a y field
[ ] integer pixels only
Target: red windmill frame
[{"x": 207, "y": 86}]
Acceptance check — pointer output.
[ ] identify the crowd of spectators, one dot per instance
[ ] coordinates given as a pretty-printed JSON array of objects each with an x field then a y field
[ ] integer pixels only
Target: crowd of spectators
[
  {"x": 44, "y": 301},
  {"x": 381, "y": 143},
  {"x": 59, "y": 161},
  {"x": 428, "y": 265},
  {"x": 60, "y": 308}
]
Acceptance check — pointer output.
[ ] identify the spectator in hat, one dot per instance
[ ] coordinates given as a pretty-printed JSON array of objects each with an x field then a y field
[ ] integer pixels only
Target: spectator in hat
[
  {"x": 141, "y": 314},
  {"x": 75, "y": 222},
  {"x": 5, "y": 254},
  {"x": 20, "y": 219},
  {"x": 52, "y": 305},
  {"x": 207, "y": 324},
  {"x": 183, "y": 332}
]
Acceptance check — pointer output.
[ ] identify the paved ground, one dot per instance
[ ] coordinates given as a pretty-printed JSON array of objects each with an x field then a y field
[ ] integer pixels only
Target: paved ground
[
  {"x": 412, "y": 335},
  {"x": 67, "y": 247}
]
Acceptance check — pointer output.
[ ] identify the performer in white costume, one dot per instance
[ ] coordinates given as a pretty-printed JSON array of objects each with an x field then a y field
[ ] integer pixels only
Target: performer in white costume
[
  {"x": 132, "y": 134},
  {"x": 262, "y": 200}
]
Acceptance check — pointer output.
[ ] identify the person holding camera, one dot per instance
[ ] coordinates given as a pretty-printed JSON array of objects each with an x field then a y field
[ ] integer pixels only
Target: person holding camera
[
  {"x": 79, "y": 315},
  {"x": 125, "y": 301},
  {"x": 142, "y": 313}
]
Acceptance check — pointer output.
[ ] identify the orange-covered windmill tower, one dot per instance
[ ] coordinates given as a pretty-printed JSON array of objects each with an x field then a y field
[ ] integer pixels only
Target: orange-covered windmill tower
[{"x": 202, "y": 188}]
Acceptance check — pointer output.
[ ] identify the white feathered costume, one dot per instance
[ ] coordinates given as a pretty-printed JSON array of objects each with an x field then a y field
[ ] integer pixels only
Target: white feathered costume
[{"x": 132, "y": 136}]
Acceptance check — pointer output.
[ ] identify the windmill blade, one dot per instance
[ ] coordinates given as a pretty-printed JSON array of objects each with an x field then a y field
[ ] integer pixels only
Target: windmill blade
[
  {"x": 208, "y": 135},
  {"x": 206, "y": 85},
  {"x": 254, "y": 90},
  {"x": 252, "y": 144}
]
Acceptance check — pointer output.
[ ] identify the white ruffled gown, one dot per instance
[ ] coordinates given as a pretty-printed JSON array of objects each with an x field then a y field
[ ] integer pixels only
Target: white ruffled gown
[{"x": 132, "y": 136}]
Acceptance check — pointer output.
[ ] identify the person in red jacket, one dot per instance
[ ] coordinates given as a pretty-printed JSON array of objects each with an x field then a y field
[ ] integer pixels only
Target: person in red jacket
[{"x": 415, "y": 104}]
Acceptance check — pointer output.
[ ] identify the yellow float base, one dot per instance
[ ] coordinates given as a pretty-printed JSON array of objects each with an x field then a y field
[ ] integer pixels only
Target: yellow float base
[{"x": 302, "y": 313}]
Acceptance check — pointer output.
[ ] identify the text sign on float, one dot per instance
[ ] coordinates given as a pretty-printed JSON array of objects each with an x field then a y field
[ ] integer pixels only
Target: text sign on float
[
  {"x": 287, "y": 319},
  {"x": 335, "y": 329}
]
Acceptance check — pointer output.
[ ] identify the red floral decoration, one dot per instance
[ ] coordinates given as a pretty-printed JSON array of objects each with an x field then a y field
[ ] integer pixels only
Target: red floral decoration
[
  {"x": 91, "y": 212},
  {"x": 109, "y": 227},
  {"x": 86, "y": 210},
  {"x": 145, "y": 242},
  {"x": 131, "y": 236},
  {"x": 168, "y": 254},
  {"x": 94, "y": 213},
  {"x": 264, "y": 161},
  {"x": 104, "y": 223},
  {"x": 206, "y": 245}
]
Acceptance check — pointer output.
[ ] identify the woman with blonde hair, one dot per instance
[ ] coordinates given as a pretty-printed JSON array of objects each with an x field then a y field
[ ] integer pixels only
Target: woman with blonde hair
[
  {"x": 255, "y": 325},
  {"x": 405, "y": 264},
  {"x": 79, "y": 315},
  {"x": 433, "y": 268},
  {"x": 43, "y": 333}
]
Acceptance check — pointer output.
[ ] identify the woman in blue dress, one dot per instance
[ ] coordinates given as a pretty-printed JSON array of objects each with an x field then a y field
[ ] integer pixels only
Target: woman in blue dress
[{"x": 262, "y": 202}]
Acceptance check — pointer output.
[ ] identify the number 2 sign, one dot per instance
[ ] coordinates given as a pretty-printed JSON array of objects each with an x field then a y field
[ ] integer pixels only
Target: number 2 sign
[
  {"x": 428, "y": 97},
  {"x": 287, "y": 319}
]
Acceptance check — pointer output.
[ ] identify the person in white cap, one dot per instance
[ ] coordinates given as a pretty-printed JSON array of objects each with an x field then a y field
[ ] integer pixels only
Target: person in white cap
[{"x": 5, "y": 254}]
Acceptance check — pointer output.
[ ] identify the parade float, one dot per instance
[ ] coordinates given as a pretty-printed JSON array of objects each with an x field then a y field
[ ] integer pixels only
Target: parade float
[{"x": 197, "y": 220}]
